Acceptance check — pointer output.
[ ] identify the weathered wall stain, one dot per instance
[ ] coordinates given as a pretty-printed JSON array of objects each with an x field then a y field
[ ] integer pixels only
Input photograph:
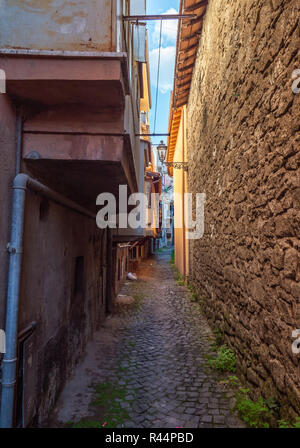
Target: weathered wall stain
[
  {"x": 76, "y": 25},
  {"x": 58, "y": 25},
  {"x": 32, "y": 5},
  {"x": 63, "y": 296}
]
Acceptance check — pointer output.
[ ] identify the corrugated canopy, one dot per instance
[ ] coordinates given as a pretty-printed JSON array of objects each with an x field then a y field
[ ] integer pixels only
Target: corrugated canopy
[{"x": 189, "y": 32}]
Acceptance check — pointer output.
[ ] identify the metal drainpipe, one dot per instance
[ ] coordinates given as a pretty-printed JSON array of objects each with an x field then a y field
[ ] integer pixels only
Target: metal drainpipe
[{"x": 22, "y": 182}]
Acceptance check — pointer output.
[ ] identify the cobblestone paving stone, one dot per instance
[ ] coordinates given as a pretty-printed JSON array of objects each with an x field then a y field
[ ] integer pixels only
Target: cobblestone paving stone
[{"x": 160, "y": 350}]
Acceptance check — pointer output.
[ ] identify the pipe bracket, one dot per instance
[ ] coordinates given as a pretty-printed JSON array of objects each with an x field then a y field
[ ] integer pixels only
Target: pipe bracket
[
  {"x": 6, "y": 361},
  {"x": 12, "y": 384},
  {"x": 13, "y": 250}
]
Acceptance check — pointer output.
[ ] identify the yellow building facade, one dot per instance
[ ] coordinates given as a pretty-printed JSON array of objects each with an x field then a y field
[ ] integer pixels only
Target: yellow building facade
[{"x": 177, "y": 152}]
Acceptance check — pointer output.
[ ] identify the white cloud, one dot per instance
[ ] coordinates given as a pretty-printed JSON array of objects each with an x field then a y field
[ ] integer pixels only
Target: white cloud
[
  {"x": 167, "y": 59},
  {"x": 169, "y": 30}
]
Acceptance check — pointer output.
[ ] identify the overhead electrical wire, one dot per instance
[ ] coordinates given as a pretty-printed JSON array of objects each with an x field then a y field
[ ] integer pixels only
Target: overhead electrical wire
[{"x": 157, "y": 80}]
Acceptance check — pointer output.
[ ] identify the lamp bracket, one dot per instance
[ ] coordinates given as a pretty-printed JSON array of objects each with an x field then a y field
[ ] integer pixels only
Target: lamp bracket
[{"x": 178, "y": 165}]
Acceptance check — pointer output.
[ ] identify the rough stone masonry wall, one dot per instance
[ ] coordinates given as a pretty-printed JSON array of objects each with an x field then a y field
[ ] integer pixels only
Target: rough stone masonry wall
[{"x": 243, "y": 143}]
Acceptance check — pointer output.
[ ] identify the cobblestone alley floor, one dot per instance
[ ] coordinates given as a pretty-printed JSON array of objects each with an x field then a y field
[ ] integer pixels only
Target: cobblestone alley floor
[{"x": 147, "y": 366}]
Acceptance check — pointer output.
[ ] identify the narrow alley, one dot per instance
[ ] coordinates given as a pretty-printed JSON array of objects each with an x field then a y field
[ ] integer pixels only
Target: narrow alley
[
  {"x": 150, "y": 215},
  {"x": 147, "y": 366}
]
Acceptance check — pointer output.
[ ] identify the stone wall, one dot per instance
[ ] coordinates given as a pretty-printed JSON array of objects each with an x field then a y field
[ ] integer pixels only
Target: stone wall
[{"x": 243, "y": 145}]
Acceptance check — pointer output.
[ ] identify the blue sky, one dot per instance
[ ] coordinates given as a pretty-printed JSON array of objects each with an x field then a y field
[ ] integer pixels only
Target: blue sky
[{"x": 169, "y": 33}]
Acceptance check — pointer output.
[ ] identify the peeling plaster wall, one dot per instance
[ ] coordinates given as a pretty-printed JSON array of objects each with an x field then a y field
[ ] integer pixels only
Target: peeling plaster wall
[
  {"x": 61, "y": 290},
  {"x": 54, "y": 237},
  {"x": 58, "y": 25}
]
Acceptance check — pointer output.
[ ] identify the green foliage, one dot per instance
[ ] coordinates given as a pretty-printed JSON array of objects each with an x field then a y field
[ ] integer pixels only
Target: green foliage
[
  {"x": 107, "y": 402},
  {"x": 107, "y": 393},
  {"x": 272, "y": 405},
  {"x": 194, "y": 297},
  {"x": 111, "y": 400},
  {"x": 138, "y": 298},
  {"x": 284, "y": 424},
  {"x": 219, "y": 336},
  {"x": 297, "y": 423},
  {"x": 233, "y": 380},
  {"x": 172, "y": 259},
  {"x": 191, "y": 287},
  {"x": 178, "y": 277},
  {"x": 224, "y": 361},
  {"x": 87, "y": 424},
  {"x": 255, "y": 414},
  {"x": 161, "y": 250},
  {"x": 194, "y": 294}
]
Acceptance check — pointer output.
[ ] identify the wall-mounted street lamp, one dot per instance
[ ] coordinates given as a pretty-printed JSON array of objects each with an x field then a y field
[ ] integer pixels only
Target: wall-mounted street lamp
[{"x": 162, "y": 152}]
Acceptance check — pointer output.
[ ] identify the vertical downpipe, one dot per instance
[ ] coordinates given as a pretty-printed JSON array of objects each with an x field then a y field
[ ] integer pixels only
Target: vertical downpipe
[
  {"x": 15, "y": 264},
  {"x": 9, "y": 361}
]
